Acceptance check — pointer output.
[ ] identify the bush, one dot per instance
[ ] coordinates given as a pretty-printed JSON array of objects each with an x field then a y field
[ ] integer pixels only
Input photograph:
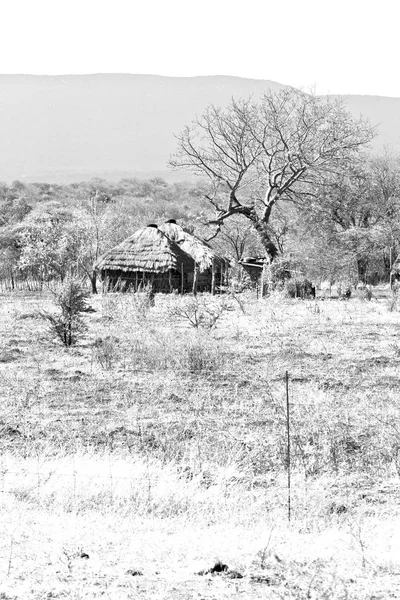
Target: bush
[
  {"x": 72, "y": 299},
  {"x": 143, "y": 300},
  {"x": 393, "y": 300},
  {"x": 344, "y": 291},
  {"x": 199, "y": 312},
  {"x": 299, "y": 288},
  {"x": 106, "y": 351},
  {"x": 197, "y": 357},
  {"x": 365, "y": 293}
]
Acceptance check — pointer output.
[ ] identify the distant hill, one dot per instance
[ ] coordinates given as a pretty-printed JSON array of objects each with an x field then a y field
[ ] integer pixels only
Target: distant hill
[{"x": 75, "y": 127}]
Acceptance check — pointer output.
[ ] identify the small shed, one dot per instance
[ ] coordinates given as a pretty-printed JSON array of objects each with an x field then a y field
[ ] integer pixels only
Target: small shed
[
  {"x": 147, "y": 256},
  {"x": 253, "y": 267}
]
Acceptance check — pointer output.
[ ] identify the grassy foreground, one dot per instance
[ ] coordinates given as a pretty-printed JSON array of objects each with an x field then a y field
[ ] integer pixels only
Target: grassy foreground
[{"x": 139, "y": 458}]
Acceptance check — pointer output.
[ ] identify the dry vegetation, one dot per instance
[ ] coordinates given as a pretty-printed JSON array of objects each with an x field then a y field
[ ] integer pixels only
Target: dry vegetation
[{"x": 154, "y": 448}]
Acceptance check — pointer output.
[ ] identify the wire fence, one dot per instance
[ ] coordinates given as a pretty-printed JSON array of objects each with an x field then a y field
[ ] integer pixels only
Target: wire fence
[
  {"x": 21, "y": 284},
  {"x": 19, "y": 480}
]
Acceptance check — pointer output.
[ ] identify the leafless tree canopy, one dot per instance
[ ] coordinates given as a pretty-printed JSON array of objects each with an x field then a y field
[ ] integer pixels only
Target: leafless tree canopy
[{"x": 255, "y": 153}]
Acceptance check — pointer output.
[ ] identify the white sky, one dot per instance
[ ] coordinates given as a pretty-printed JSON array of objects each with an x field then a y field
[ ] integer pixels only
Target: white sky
[{"x": 336, "y": 46}]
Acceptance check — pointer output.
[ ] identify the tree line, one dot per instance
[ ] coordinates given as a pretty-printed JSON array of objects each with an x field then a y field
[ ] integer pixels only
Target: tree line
[{"x": 48, "y": 231}]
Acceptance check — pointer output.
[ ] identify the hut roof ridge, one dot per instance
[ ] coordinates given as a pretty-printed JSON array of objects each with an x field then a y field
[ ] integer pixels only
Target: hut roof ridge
[
  {"x": 201, "y": 252},
  {"x": 148, "y": 249}
]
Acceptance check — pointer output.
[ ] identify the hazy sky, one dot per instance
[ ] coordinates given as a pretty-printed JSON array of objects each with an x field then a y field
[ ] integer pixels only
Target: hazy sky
[{"x": 336, "y": 46}]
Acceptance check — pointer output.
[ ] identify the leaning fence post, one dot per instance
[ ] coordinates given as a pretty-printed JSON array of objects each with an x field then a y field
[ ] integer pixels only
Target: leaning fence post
[
  {"x": 38, "y": 481},
  {"x": 288, "y": 445},
  {"x": 195, "y": 275},
  {"x": 213, "y": 277}
]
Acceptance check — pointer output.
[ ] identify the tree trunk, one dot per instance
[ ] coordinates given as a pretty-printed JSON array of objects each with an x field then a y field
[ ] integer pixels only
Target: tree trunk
[
  {"x": 261, "y": 227},
  {"x": 93, "y": 281},
  {"x": 362, "y": 268},
  {"x": 195, "y": 275},
  {"x": 213, "y": 277},
  {"x": 387, "y": 260}
]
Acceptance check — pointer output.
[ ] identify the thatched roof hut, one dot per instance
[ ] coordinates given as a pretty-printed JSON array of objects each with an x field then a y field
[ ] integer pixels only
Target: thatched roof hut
[
  {"x": 148, "y": 255},
  {"x": 199, "y": 250},
  {"x": 211, "y": 270}
]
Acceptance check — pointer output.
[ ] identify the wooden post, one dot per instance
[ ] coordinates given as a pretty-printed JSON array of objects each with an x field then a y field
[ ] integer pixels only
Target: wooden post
[
  {"x": 213, "y": 277},
  {"x": 182, "y": 279},
  {"x": 288, "y": 444},
  {"x": 262, "y": 282},
  {"x": 195, "y": 280},
  {"x": 137, "y": 282},
  {"x": 170, "y": 281}
]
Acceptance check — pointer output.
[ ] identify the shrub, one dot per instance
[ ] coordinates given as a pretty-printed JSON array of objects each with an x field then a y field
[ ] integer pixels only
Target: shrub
[
  {"x": 143, "y": 300},
  {"x": 72, "y": 299},
  {"x": 299, "y": 288},
  {"x": 365, "y": 293},
  {"x": 106, "y": 351},
  {"x": 197, "y": 357},
  {"x": 199, "y": 312},
  {"x": 393, "y": 299},
  {"x": 344, "y": 291}
]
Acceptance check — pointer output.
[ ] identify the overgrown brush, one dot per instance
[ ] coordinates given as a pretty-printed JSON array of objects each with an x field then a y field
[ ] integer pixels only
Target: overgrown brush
[
  {"x": 162, "y": 352},
  {"x": 106, "y": 351},
  {"x": 393, "y": 299},
  {"x": 200, "y": 312},
  {"x": 364, "y": 293},
  {"x": 128, "y": 306},
  {"x": 299, "y": 288}
]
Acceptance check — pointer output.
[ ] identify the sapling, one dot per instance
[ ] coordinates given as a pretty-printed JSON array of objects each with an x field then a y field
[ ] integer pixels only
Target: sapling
[{"x": 71, "y": 298}]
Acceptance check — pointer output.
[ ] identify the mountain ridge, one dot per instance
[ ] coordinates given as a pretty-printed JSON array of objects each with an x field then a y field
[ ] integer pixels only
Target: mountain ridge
[{"x": 62, "y": 128}]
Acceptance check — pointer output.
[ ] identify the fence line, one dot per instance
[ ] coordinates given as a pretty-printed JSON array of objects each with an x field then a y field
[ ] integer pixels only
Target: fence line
[
  {"x": 42, "y": 477},
  {"x": 30, "y": 284}
]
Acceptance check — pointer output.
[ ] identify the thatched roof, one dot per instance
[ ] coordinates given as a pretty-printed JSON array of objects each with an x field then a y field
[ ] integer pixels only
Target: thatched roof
[
  {"x": 148, "y": 250},
  {"x": 199, "y": 250}
]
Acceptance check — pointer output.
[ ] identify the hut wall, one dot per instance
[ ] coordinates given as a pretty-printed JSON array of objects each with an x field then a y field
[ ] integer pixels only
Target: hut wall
[
  {"x": 133, "y": 280},
  {"x": 204, "y": 280}
]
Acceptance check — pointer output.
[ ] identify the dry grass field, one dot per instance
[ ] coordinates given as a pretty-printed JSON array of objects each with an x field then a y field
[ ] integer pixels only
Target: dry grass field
[{"x": 136, "y": 460}]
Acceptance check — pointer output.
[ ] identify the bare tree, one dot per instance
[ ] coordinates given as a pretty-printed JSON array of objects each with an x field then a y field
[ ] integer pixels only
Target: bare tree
[
  {"x": 238, "y": 239},
  {"x": 256, "y": 153},
  {"x": 99, "y": 225}
]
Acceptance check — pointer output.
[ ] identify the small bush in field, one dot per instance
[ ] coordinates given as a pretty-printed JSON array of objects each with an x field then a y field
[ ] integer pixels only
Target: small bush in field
[
  {"x": 71, "y": 299},
  {"x": 128, "y": 305},
  {"x": 299, "y": 288},
  {"x": 201, "y": 313},
  {"x": 198, "y": 357},
  {"x": 345, "y": 292},
  {"x": 106, "y": 351},
  {"x": 393, "y": 300},
  {"x": 290, "y": 289},
  {"x": 365, "y": 293},
  {"x": 143, "y": 300}
]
